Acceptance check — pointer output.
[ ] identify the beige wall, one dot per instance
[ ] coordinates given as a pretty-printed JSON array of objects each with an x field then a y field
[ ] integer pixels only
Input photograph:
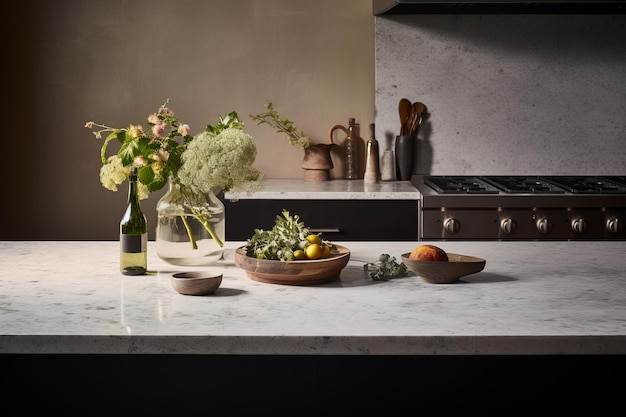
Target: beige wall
[{"x": 115, "y": 61}]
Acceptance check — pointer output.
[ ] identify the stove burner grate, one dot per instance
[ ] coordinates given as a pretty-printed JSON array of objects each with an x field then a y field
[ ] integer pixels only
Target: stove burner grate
[
  {"x": 618, "y": 179},
  {"x": 523, "y": 185},
  {"x": 588, "y": 185},
  {"x": 458, "y": 185}
]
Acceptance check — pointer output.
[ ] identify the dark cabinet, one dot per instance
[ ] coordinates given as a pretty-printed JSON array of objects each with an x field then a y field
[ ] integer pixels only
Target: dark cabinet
[{"x": 347, "y": 220}]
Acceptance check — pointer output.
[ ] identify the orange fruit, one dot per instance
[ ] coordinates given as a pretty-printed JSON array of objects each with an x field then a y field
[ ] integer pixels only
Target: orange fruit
[{"x": 428, "y": 253}]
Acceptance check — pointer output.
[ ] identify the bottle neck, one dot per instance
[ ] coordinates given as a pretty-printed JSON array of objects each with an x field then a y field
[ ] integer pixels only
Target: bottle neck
[
  {"x": 133, "y": 190},
  {"x": 351, "y": 128}
]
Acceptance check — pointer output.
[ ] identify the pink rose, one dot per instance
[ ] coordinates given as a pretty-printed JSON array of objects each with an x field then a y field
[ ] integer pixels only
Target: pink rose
[{"x": 158, "y": 130}]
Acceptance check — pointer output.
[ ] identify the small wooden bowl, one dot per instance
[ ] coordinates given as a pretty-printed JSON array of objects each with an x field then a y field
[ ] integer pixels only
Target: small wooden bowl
[
  {"x": 441, "y": 272},
  {"x": 298, "y": 272},
  {"x": 196, "y": 283}
]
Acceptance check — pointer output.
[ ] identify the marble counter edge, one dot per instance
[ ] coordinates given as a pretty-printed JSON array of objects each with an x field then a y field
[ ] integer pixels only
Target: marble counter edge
[
  {"x": 330, "y": 190},
  {"x": 314, "y": 345}
]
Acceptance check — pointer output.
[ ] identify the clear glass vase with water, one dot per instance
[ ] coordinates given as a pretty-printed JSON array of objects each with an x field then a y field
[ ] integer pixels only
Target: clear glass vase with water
[{"x": 189, "y": 231}]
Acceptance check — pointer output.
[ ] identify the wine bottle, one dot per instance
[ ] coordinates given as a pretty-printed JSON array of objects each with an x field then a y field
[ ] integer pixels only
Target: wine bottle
[{"x": 133, "y": 233}]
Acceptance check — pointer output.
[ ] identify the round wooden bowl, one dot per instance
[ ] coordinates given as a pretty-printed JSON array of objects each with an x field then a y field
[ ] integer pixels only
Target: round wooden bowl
[
  {"x": 441, "y": 272},
  {"x": 196, "y": 283},
  {"x": 298, "y": 272}
]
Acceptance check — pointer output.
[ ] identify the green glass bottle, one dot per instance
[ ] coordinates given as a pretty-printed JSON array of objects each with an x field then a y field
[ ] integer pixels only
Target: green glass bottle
[{"x": 133, "y": 233}]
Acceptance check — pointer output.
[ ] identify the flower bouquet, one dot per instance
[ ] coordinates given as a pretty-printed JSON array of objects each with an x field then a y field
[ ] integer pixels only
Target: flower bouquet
[{"x": 219, "y": 158}]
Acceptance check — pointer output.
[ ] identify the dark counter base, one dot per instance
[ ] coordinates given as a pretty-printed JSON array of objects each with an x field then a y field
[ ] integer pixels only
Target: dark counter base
[{"x": 177, "y": 385}]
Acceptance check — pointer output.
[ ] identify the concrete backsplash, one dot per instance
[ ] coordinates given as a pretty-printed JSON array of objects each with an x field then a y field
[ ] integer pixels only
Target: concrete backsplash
[{"x": 507, "y": 94}]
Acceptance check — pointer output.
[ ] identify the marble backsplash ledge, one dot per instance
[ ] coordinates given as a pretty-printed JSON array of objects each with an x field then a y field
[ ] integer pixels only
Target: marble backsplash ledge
[{"x": 507, "y": 94}]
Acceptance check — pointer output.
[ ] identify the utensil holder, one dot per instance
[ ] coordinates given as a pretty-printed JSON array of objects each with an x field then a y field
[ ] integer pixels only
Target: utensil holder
[{"x": 405, "y": 149}]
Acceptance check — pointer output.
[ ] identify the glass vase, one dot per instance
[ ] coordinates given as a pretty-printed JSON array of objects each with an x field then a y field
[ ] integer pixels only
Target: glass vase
[{"x": 190, "y": 231}]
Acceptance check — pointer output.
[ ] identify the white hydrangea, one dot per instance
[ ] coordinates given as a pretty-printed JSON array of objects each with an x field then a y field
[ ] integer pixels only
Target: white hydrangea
[
  {"x": 220, "y": 162},
  {"x": 113, "y": 173}
]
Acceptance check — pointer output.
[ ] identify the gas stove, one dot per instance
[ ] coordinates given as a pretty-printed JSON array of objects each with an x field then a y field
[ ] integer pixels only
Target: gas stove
[{"x": 548, "y": 207}]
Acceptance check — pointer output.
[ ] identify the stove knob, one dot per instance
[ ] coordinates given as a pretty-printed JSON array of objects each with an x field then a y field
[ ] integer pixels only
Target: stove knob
[
  {"x": 508, "y": 226},
  {"x": 544, "y": 225},
  {"x": 579, "y": 225},
  {"x": 451, "y": 225},
  {"x": 614, "y": 225}
]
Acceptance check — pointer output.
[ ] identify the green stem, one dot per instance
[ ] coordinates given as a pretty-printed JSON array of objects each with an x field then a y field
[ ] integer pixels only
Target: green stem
[
  {"x": 202, "y": 218},
  {"x": 192, "y": 239},
  {"x": 209, "y": 228}
]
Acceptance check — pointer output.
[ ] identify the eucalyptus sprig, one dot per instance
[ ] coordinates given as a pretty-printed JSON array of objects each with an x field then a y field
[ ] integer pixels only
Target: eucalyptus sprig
[
  {"x": 295, "y": 136},
  {"x": 385, "y": 268}
]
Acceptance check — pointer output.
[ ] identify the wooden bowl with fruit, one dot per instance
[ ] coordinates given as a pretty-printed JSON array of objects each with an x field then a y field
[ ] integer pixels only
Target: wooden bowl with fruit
[
  {"x": 436, "y": 266},
  {"x": 295, "y": 272},
  {"x": 290, "y": 254}
]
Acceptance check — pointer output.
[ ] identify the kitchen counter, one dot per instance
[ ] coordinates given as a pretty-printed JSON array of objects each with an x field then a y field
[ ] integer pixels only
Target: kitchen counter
[
  {"x": 531, "y": 298},
  {"x": 337, "y": 189}
]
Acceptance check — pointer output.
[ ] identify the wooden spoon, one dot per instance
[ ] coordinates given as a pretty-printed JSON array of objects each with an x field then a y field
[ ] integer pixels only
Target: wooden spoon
[
  {"x": 404, "y": 108},
  {"x": 417, "y": 113},
  {"x": 418, "y": 108}
]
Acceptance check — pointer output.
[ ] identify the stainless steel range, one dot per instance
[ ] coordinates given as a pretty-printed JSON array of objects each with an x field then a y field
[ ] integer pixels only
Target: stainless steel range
[{"x": 522, "y": 207}]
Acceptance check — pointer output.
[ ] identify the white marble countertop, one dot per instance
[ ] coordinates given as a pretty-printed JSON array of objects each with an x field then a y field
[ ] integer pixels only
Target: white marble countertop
[
  {"x": 337, "y": 189},
  {"x": 531, "y": 298}
]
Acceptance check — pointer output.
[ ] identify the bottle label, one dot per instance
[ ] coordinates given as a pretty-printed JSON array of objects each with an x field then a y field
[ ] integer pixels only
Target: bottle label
[{"x": 134, "y": 243}]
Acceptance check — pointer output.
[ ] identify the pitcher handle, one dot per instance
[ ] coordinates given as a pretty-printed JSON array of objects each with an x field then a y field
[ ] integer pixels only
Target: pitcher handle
[{"x": 332, "y": 130}]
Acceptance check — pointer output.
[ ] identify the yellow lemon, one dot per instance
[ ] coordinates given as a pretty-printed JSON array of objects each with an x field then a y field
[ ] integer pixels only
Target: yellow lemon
[
  {"x": 314, "y": 251},
  {"x": 325, "y": 251},
  {"x": 299, "y": 254},
  {"x": 313, "y": 238}
]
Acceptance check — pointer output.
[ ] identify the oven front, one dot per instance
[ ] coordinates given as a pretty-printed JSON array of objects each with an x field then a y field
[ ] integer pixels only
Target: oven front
[{"x": 481, "y": 208}]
